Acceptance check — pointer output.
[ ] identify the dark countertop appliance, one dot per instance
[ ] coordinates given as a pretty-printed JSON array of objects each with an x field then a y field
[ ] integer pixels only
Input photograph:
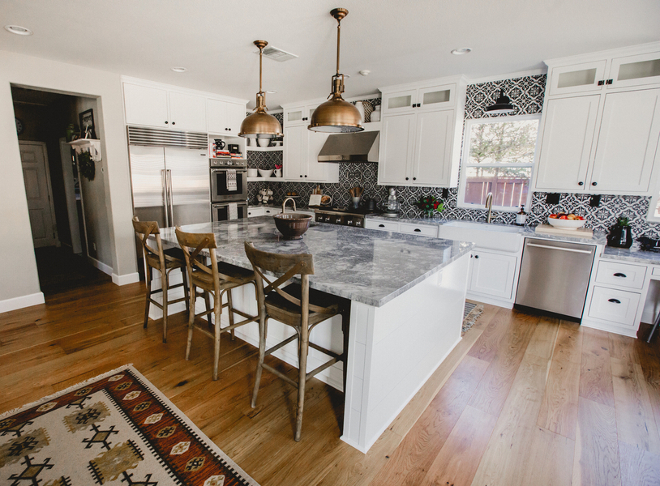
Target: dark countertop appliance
[{"x": 343, "y": 216}]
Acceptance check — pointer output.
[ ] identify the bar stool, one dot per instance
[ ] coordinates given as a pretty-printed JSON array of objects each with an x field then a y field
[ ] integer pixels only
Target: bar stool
[
  {"x": 216, "y": 279},
  {"x": 162, "y": 261},
  {"x": 298, "y": 306}
]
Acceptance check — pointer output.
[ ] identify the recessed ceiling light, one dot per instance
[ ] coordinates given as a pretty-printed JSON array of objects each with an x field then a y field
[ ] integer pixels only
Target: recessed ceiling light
[
  {"x": 365, "y": 72},
  {"x": 460, "y": 51},
  {"x": 270, "y": 91},
  {"x": 179, "y": 69},
  {"x": 18, "y": 30}
]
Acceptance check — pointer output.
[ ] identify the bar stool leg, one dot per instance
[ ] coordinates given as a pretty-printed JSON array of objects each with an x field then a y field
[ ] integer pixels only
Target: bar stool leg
[
  {"x": 184, "y": 277},
  {"x": 231, "y": 313},
  {"x": 217, "y": 308},
  {"x": 302, "y": 376},
  {"x": 655, "y": 326},
  {"x": 148, "y": 303},
  {"x": 207, "y": 307},
  {"x": 191, "y": 319},
  {"x": 262, "y": 353},
  {"x": 165, "y": 283}
]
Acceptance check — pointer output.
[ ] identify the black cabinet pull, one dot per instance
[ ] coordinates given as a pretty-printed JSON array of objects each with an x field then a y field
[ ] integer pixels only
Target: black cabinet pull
[
  {"x": 614, "y": 301},
  {"x": 620, "y": 275},
  {"x": 406, "y": 178},
  {"x": 381, "y": 225},
  {"x": 580, "y": 183},
  {"x": 476, "y": 256},
  {"x": 414, "y": 178},
  {"x": 165, "y": 122},
  {"x": 594, "y": 183},
  {"x": 173, "y": 123},
  {"x": 601, "y": 82},
  {"x": 417, "y": 230},
  {"x": 305, "y": 175},
  {"x": 609, "y": 81}
]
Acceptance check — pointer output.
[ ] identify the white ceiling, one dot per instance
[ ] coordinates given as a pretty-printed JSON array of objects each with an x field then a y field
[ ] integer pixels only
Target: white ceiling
[{"x": 398, "y": 41}]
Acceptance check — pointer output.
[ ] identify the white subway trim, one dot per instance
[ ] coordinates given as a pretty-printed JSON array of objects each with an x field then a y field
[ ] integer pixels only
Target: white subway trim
[
  {"x": 101, "y": 266},
  {"x": 21, "y": 302},
  {"x": 126, "y": 279}
]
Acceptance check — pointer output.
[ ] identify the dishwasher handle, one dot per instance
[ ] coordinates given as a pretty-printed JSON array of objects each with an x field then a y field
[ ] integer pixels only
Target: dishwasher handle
[{"x": 559, "y": 248}]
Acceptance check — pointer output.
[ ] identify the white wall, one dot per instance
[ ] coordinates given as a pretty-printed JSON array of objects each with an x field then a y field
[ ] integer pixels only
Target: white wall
[{"x": 18, "y": 277}]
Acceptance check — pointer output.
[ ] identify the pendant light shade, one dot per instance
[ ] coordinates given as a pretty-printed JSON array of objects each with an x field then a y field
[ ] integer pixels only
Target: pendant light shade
[
  {"x": 336, "y": 115},
  {"x": 502, "y": 105},
  {"x": 260, "y": 124}
]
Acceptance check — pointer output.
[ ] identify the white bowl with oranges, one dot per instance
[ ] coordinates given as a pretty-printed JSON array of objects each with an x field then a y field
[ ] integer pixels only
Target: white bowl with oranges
[{"x": 568, "y": 221}]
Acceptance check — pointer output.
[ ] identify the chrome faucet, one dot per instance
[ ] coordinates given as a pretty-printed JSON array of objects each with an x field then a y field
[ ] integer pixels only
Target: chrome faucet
[
  {"x": 489, "y": 205},
  {"x": 284, "y": 204}
]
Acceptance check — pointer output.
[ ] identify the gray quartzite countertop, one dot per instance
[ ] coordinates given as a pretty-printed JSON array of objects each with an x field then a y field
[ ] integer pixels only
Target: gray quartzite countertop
[
  {"x": 631, "y": 255},
  {"x": 368, "y": 266},
  {"x": 599, "y": 238}
]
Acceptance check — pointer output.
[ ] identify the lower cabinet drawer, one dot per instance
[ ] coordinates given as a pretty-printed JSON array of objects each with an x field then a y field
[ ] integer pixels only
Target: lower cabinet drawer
[
  {"x": 418, "y": 229},
  {"x": 621, "y": 274},
  {"x": 615, "y": 306},
  {"x": 381, "y": 225}
]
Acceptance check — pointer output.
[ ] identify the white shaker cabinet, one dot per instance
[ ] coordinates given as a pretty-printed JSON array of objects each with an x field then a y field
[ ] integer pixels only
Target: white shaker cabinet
[
  {"x": 396, "y": 149},
  {"x": 565, "y": 145},
  {"x": 224, "y": 117},
  {"x": 492, "y": 274},
  {"x": 187, "y": 112},
  {"x": 627, "y": 142},
  {"x": 433, "y": 146},
  {"x": 295, "y": 145},
  {"x": 146, "y": 106}
]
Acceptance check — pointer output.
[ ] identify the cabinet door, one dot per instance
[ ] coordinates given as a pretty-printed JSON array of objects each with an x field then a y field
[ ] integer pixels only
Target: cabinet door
[
  {"x": 396, "y": 148},
  {"x": 433, "y": 146},
  {"x": 577, "y": 78},
  {"x": 146, "y": 106},
  {"x": 635, "y": 70},
  {"x": 436, "y": 98},
  {"x": 216, "y": 116},
  {"x": 399, "y": 102},
  {"x": 317, "y": 171},
  {"x": 188, "y": 112},
  {"x": 568, "y": 134},
  {"x": 295, "y": 116},
  {"x": 295, "y": 149},
  {"x": 627, "y": 142},
  {"x": 235, "y": 116},
  {"x": 492, "y": 274}
]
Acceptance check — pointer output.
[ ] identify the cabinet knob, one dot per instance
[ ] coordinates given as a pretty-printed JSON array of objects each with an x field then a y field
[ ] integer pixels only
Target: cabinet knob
[
  {"x": 476, "y": 256},
  {"x": 300, "y": 175},
  {"x": 305, "y": 175},
  {"x": 165, "y": 122},
  {"x": 614, "y": 301},
  {"x": 580, "y": 183},
  {"x": 414, "y": 178},
  {"x": 173, "y": 123},
  {"x": 406, "y": 178},
  {"x": 601, "y": 82},
  {"x": 609, "y": 81},
  {"x": 594, "y": 183}
]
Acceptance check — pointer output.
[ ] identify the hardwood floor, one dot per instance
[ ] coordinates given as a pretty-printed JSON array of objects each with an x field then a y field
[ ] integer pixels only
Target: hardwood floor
[{"x": 521, "y": 400}]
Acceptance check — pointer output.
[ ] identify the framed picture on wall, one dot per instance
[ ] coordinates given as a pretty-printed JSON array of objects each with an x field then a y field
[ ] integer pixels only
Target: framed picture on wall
[{"x": 87, "y": 124}]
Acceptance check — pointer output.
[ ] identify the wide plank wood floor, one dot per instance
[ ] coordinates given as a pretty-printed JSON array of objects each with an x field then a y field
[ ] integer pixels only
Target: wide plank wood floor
[{"x": 522, "y": 399}]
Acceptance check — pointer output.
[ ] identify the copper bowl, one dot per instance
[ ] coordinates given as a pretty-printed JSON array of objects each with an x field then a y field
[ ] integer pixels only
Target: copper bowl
[{"x": 292, "y": 225}]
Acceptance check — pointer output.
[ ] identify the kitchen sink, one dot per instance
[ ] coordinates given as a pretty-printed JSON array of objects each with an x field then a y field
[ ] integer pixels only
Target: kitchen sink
[{"x": 483, "y": 235}]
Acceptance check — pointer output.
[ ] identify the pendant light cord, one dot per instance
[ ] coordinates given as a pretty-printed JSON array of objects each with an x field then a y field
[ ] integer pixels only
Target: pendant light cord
[
  {"x": 261, "y": 60},
  {"x": 338, "y": 42}
]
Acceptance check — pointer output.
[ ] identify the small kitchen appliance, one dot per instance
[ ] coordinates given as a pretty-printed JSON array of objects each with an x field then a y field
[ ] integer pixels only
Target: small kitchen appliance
[
  {"x": 228, "y": 180},
  {"x": 393, "y": 206}
]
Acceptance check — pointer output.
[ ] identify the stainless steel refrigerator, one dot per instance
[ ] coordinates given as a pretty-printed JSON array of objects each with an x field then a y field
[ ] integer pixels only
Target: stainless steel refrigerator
[{"x": 171, "y": 185}]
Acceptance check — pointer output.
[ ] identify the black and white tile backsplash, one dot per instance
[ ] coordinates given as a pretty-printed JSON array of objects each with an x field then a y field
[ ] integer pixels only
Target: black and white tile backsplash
[{"x": 526, "y": 94}]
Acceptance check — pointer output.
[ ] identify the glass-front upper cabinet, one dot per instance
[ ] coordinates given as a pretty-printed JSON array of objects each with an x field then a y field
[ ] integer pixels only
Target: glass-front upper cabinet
[
  {"x": 578, "y": 78},
  {"x": 400, "y": 101},
  {"x": 295, "y": 116},
  {"x": 635, "y": 70},
  {"x": 437, "y": 97}
]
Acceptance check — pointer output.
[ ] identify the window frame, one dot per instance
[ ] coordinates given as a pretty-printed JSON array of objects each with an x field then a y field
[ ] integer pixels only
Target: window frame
[
  {"x": 655, "y": 199},
  {"x": 465, "y": 156}
]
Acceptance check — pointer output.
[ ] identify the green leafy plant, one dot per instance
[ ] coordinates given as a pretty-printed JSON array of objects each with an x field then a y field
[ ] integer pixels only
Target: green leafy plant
[
  {"x": 430, "y": 205},
  {"x": 623, "y": 221},
  {"x": 86, "y": 166}
]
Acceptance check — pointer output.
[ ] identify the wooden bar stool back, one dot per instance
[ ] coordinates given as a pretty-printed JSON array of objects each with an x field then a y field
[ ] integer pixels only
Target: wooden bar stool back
[
  {"x": 161, "y": 261},
  {"x": 215, "y": 278},
  {"x": 295, "y": 305}
]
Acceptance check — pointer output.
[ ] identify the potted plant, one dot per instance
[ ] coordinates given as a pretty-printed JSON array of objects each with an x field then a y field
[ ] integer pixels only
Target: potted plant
[
  {"x": 621, "y": 233},
  {"x": 430, "y": 205}
]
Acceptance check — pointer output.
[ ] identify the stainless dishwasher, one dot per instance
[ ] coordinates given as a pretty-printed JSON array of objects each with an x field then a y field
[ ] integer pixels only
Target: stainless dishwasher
[{"x": 554, "y": 276}]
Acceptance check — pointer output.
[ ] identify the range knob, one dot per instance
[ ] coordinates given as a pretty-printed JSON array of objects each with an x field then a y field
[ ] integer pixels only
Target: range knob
[
  {"x": 327, "y": 219},
  {"x": 349, "y": 222}
]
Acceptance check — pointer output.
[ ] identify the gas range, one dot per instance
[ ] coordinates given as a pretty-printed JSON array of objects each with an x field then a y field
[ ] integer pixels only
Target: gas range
[{"x": 343, "y": 216}]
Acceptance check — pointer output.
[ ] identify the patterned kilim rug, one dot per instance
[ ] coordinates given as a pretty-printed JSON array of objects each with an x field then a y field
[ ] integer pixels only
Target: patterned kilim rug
[
  {"x": 471, "y": 313},
  {"x": 116, "y": 429}
]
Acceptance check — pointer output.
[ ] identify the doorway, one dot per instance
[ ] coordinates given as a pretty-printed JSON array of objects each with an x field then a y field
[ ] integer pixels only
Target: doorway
[{"x": 53, "y": 189}]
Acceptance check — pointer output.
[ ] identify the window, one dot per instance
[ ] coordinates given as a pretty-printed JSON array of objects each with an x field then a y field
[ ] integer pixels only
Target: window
[
  {"x": 498, "y": 156},
  {"x": 653, "y": 216}
]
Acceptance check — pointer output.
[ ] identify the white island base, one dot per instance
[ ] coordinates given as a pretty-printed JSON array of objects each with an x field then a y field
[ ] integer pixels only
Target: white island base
[{"x": 393, "y": 349}]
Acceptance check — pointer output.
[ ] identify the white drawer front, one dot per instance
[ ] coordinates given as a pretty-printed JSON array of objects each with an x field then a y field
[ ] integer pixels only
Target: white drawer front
[
  {"x": 418, "y": 229},
  {"x": 621, "y": 274},
  {"x": 253, "y": 212},
  {"x": 381, "y": 225},
  {"x": 614, "y": 306},
  {"x": 272, "y": 211}
]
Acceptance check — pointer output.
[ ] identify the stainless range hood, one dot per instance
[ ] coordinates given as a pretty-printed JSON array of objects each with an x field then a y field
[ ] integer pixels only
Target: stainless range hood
[{"x": 351, "y": 147}]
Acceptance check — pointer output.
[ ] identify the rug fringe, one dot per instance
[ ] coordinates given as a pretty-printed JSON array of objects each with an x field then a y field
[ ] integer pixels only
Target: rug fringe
[{"x": 65, "y": 391}]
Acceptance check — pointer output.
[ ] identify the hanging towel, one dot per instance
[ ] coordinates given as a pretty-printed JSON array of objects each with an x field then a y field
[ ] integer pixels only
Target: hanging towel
[
  {"x": 231, "y": 180},
  {"x": 233, "y": 210}
]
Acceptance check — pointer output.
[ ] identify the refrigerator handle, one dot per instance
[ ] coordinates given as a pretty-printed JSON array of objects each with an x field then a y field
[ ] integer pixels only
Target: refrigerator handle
[
  {"x": 170, "y": 196},
  {"x": 163, "y": 181}
]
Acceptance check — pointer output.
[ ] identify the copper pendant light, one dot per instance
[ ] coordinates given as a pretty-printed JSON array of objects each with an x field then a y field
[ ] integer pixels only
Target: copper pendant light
[
  {"x": 260, "y": 124},
  {"x": 336, "y": 115}
]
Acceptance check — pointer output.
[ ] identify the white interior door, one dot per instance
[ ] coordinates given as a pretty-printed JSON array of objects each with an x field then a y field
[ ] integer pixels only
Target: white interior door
[
  {"x": 38, "y": 192},
  {"x": 627, "y": 142}
]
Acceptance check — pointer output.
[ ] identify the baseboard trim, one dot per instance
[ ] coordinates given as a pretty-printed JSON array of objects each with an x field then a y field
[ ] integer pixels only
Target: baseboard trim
[
  {"x": 507, "y": 304},
  {"x": 129, "y": 278},
  {"x": 613, "y": 328},
  {"x": 22, "y": 302},
  {"x": 100, "y": 265}
]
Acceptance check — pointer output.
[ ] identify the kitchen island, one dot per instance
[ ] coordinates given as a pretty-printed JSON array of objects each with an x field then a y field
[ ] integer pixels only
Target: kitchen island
[{"x": 407, "y": 297}]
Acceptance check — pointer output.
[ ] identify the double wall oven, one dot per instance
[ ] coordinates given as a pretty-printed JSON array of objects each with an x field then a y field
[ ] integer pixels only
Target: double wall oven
[{"x": 228, "y": 189}]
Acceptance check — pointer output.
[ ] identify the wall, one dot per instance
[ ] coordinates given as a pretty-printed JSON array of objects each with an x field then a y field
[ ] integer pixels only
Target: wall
[
  {"x": 526, "y": 94},
  {"x": 19, "y": 283}
]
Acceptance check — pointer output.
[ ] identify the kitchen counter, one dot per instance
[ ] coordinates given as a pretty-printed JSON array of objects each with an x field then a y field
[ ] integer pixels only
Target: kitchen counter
[
  {"x": 372, "y": 267},
  {"x": 407, "y": 297},
  {"x": 631, "y": 255}
]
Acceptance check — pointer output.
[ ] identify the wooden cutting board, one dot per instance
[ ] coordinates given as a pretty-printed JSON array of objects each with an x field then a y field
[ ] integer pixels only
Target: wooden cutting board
[{"x": 577, "y": 233}]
